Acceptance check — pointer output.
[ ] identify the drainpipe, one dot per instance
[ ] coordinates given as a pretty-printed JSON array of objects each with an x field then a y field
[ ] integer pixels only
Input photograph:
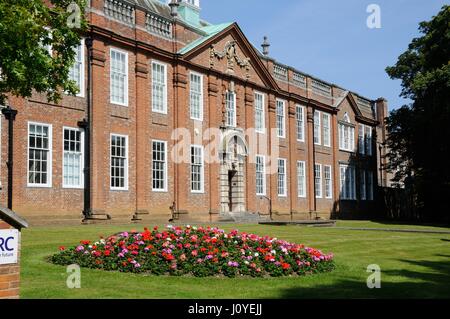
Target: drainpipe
[
  {"x": 86, "y": 126},
  {"x": 10, "y": 115}
]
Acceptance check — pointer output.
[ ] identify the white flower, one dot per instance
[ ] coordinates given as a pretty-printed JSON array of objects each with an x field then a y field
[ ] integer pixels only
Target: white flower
[
  {"x": 273, "y": 252},
  {"x": 194, "y": 228},
  {"x": 256, "y": 255},
  {"x": 246, "y": 262}
]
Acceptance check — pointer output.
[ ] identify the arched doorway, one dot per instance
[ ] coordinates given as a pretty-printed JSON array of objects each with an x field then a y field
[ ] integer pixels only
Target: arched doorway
[{"x": 234, "y": 151}]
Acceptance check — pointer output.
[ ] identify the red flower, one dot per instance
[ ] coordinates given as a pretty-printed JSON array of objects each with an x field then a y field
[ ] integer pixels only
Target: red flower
[
  {"x": 107, "y": 253},
  {"x": 62, "y": 248},
  {"x": 194, "y": 253},
  {"x": 285, "y": 266},
  {"x": 85, "y": 242}
]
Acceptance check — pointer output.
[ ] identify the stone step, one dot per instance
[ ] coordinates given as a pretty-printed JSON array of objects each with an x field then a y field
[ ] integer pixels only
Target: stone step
[{"x": 243, "y": 217}]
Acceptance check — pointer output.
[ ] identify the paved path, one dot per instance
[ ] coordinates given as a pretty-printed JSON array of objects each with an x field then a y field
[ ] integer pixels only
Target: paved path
[{"x": 423, "y": 231}]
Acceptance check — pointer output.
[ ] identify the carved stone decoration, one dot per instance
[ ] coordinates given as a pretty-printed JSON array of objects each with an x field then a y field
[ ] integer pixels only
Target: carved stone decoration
[{"x": 232, "y": 58}]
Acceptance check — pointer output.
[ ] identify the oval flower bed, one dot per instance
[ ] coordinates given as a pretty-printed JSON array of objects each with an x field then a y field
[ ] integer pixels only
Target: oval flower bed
[{"x": 196, "y": 251}]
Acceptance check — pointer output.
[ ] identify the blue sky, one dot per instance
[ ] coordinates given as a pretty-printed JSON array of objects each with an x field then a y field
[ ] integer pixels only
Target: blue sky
[{"x": 330, "y": 39}]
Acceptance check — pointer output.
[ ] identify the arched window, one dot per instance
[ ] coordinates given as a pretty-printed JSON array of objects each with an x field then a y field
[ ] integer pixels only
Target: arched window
[{"x": 346, "y": 134}]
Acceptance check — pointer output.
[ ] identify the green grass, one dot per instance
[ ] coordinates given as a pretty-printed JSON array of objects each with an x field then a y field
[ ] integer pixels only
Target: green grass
[{"x": 413, "y": 266}]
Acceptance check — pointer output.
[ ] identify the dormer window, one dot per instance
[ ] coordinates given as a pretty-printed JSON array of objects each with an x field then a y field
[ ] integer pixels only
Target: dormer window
[{"x": 346, "y": 134}]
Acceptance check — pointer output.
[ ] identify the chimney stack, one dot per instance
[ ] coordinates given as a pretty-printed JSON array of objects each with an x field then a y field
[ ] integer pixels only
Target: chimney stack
[{"x": 265, "y": 46}]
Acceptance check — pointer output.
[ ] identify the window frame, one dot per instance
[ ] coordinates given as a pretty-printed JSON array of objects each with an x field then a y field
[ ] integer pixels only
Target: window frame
[
  {"x": 166, "y": 177},
  {"x": 328, "y": 135},
  {"x": 261, "y": 130},
  {"x": 317, "y": 126},
  {"x": 318, "y": 195},
  {"x": 201, "y": 106},
  {"x": 361, "y": 139},
  {"x": 126, "y": 182},
  {"x": 126, "y": 84},
  {"x": 343, "y": 182},
  {"x": 362, "y": 185},
  {"x": 302, "y": 182},
  {"x": 283, "y": 122},
  {"x": 264, "y": 185},
  {"x": 49, "y": 158},
  {"x": 165, "y": 91},
  {"x": 81, "y": 185},
  {"x": 351, "y": 137},
  {"x": 284, "y": 194},
  {"x": 300, "y": 129},
  {"x": 227, "y": 100},
  {"x": 368, "y": 140},
  {"x": 202, "y": 170},
  {"x": 82, "y": 88},
  {"x": 329, "y": 180}
]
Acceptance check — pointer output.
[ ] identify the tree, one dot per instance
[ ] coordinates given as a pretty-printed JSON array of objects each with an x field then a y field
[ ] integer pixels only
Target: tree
[
  {"x": 37, "y": 42},
  {"x": 419, "y": 133}
]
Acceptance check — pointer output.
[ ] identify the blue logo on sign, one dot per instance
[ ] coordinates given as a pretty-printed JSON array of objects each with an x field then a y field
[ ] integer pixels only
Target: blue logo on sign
[{"x": 4, "y": 244}]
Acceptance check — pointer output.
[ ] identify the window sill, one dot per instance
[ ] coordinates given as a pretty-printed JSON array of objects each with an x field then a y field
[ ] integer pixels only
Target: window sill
[
  {"x": 73, "y": 187},
  {"x": 119, "y": 104},
  {"x": 159, "y": 191},
  {"x": 346, "y": 151},
  {"x": 119, "y": 189},
  {"x": 39, "y": 186},
  {"x": 159, "y": 112}
]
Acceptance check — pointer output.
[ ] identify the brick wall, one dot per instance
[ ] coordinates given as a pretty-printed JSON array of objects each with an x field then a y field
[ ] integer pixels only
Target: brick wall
[
  {"x": 9, "y": 276},
  {"x": 141, "y": 125}
]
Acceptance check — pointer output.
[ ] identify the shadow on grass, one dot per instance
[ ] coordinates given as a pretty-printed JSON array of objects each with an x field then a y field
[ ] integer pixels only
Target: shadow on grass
[
  {"x": 409, "y": 223},
  {"x": 431, "y": 281}
]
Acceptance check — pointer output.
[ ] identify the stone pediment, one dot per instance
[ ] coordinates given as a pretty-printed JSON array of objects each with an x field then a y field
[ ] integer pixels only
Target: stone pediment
[{"x": 229, "y": 52}]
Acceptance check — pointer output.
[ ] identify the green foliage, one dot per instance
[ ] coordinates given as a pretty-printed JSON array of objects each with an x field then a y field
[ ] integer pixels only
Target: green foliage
[
  {"x": 27, "y": 27},
  {"x": 419, "y": 133},
  {"x": 202, "y": 252}
]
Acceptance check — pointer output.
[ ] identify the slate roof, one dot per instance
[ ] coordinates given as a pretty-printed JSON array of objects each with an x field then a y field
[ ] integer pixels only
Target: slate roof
[{"x": 210, "y": 32}]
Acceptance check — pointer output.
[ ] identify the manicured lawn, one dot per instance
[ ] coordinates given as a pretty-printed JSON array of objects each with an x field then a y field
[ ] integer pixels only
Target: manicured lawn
[{"x": 413, "y": 266}]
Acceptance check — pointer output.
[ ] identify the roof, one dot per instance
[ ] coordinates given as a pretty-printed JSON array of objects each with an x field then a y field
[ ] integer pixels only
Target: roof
[
  {"x": 210, "y": 32},
  {"x": 12, "y": 218}
]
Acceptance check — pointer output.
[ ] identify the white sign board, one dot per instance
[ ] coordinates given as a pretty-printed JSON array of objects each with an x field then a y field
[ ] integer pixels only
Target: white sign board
[{"x": 9, "y": 246}]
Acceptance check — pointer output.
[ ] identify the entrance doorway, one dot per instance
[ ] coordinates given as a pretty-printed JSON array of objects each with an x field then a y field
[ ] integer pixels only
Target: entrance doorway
[{"x": 232, "y": 183}]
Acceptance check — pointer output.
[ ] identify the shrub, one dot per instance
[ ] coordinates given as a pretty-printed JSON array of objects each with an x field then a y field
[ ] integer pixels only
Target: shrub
[{"x": 201, "y": 252}]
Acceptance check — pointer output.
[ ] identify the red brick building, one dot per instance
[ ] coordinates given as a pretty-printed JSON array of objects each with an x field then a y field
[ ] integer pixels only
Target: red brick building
[{"x": 189, "y": 115}]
